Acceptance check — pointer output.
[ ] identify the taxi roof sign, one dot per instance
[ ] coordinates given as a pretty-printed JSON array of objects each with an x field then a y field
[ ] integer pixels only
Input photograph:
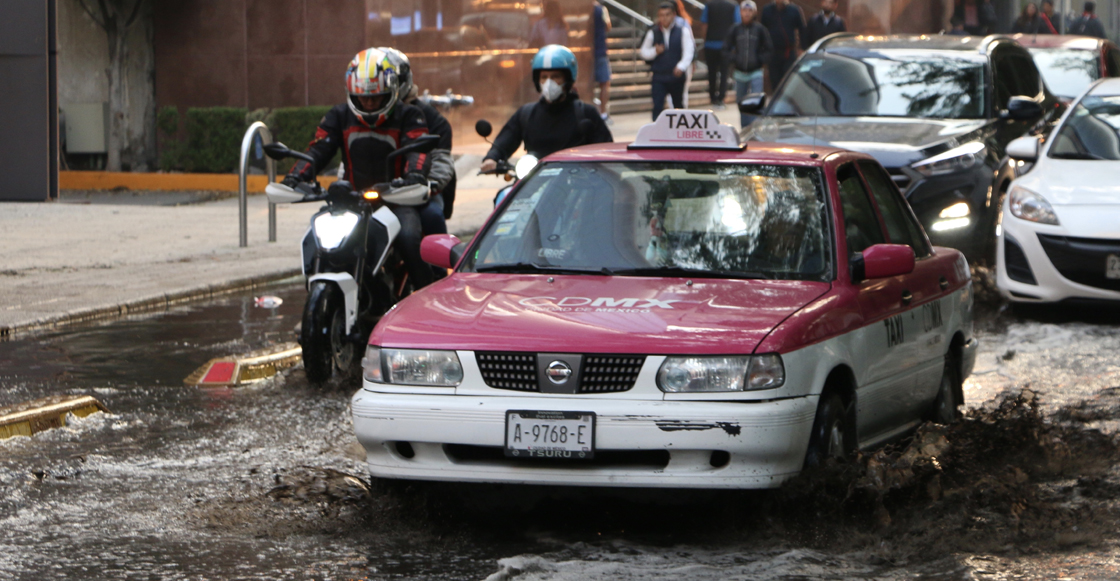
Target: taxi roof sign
[{"x": 687, "y": 129}]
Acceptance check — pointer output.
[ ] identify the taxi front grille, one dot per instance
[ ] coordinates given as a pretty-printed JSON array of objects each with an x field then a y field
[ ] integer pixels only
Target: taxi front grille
[
  {"x": 516, "y": 371},
  {"x": 610, "y": 373},
  {"x": 600, "y": 373}
]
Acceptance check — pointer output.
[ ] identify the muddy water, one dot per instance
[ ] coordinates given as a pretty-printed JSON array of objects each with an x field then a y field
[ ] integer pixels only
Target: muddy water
[{"x": 266, "y": 481}]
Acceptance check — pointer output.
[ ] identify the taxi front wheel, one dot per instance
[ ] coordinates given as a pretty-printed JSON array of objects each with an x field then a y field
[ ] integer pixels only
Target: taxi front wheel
[
  {"x": 946, "y": 408},
  {"x": 831, "y": 434}
]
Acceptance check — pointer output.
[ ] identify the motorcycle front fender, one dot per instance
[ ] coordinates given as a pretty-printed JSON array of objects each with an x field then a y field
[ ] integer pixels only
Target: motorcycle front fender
[{"x": 349, "y": 288}]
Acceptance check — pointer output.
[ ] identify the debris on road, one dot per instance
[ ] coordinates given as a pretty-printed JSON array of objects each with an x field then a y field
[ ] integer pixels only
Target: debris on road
[{"x": 268, "y": 302}]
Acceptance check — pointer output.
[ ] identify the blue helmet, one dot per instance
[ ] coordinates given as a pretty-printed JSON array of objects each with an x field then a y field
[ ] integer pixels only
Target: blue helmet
[{"x": 555, "y": 56}]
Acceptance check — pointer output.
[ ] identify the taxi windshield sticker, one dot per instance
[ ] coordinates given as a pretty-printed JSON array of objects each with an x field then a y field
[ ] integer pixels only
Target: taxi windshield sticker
[{"x": 687, "y": 129}]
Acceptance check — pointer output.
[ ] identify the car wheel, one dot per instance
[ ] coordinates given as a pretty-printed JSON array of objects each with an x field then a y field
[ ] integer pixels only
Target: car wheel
[
  {"x": 830, "y": 435},
  {"x": 946, "y": 408},
  {"x": 326, "y": 347}
]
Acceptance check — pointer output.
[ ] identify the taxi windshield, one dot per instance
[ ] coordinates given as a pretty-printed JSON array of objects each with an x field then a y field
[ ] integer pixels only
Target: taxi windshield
[{"x": 662, "y": 219}]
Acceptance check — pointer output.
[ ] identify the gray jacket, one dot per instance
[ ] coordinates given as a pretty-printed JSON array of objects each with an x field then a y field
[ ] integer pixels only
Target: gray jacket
[{"x": 748, "y": 47}]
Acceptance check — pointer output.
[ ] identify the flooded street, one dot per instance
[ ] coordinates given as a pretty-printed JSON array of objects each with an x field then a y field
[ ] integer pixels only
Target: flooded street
[{"x": 267, "y": 481}]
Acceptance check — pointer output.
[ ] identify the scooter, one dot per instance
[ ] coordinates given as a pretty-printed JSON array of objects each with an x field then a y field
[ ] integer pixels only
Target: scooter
[
  {"x": 515, "y": 173},
  {"x": 354, "y": 274}
]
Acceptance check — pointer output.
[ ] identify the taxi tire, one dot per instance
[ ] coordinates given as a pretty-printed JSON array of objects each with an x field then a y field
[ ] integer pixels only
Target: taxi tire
[
  {"x": 946, "y": 407},
  {"x": 323, "y": 333},
  {"x": 831, "y": 433}
]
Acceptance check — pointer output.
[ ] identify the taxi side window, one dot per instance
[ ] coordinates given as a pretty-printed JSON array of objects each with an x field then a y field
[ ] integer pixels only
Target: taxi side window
[
  {"x": 861, "y": 224},
  {"x": 901, "y": 226}
]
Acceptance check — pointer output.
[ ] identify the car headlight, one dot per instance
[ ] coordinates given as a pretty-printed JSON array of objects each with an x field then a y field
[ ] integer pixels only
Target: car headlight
[
  {"x": 412, "y": 367},
  {"x": 961, "y": 158},
  {"x": 1029, "y": 206},
  {"x": 332, "y": 229},
  {"x": 690, "y": 374}
]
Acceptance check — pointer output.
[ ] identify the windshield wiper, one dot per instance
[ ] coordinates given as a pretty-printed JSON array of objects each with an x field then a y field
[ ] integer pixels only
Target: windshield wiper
[
  {"x": 522, "y": 267},
  {"x": 1076, "y": 156},
  {"x": 693, "y": 272}
]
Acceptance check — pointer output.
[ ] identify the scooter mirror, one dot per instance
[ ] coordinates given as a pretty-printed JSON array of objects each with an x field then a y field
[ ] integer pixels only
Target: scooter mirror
[
  {"x": 277, "y": 150},
  {"x": 483, "y": 128}
]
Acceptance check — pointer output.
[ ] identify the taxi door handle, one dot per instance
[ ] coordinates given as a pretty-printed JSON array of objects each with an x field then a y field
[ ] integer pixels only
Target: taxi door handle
[
  {"x": 907, "y": 297},
  {"x": 944, "y": 283}
]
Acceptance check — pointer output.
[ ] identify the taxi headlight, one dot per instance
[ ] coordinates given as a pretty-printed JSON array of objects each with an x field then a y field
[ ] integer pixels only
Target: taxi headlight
[
  {"x": 1029, "y": 206},
  {"x": 692, "y": 374},
  {"x": 412, "y": 367},
  {"x": 962, "y": 158},
  {"x": 331, "y": 229}
]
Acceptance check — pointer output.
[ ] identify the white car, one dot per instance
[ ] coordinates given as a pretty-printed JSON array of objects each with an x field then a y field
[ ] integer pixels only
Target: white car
[{"x": 1060, "y": 234}]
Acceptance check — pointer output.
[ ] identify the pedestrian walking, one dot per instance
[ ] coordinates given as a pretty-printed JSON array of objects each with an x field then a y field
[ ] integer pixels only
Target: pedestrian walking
[
  {"x": 684, "y": 20},
  {"x": 1030, "y": 21},
  {"x": 748, "y": 48},
  {"x": 716, "y": 21},
  {"x": 1052, "y": 18},
  {"x": 600, "y": 26},
  {"x": 822, "y": 24},
  {"x": 669, "y": 48},
  {"x": 978, "y": 16},
  {"x": 1088, "y": 24},
  {"x": 551, "y": 28},
  {"x": 785, "y": 23}
]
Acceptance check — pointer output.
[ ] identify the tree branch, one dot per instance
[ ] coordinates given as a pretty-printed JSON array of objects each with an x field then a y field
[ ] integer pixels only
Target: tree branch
[{"x": 92, "y": 16}]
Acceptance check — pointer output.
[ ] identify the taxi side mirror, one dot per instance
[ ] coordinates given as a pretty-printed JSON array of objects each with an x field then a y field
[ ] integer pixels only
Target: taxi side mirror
[
  {"x": 752, "y": 104},
  {"x": 887, "y": 260},
  {"x": 441, "y": 250}
]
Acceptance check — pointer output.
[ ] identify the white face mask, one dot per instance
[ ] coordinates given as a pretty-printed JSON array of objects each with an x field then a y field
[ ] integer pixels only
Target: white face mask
[{"x": 551, "y": 91}]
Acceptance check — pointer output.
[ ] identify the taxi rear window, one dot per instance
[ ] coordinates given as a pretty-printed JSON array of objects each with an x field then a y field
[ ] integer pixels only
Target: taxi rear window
[{"x": 663, "y": 218}]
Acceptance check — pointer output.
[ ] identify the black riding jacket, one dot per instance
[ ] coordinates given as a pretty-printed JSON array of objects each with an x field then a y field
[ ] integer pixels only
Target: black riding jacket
[{"x": 549, "y": 127}]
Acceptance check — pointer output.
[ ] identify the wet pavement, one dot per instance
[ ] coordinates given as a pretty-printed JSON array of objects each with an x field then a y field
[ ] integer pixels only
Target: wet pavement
[{"x": 266, "y": 481}]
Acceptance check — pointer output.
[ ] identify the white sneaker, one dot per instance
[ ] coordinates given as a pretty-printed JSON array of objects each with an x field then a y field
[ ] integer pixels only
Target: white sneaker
[{"x": 607, "y": 118}]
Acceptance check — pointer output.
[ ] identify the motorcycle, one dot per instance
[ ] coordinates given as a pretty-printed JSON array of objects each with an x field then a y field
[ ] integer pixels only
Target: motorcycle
[{"x": 354, "y": 273}]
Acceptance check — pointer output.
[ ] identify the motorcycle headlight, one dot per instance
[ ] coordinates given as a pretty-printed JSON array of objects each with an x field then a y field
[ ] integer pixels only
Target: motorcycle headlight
[
  {"x": 1029, "y": 206},
  {"x": 412, "y": 367},
  {"x": 961, "y": 158},
  {"x": 692, "y": 374},
  {"x": 331, "y": 229},
  {"x": 525, "y": 165}
]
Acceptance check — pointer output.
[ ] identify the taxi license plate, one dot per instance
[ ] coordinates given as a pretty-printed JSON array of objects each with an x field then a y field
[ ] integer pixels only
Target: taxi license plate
[
  {"x": 1112, "y": 267},
  {"x": 550, "y": 434}
]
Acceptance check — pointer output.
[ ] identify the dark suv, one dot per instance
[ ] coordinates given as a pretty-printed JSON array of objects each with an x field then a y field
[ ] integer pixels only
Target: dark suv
[{"x": 936, "y": 111}]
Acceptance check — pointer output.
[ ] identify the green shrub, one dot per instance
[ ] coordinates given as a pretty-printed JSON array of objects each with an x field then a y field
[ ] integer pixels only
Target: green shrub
[
  {"x": 214, "y": 139},
  {"x": 173, "y": 151}
]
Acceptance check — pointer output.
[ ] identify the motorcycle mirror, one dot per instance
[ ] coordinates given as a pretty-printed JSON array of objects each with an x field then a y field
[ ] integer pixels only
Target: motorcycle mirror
[
  {"x": 277, "y": 150},
  {"x": 483, "y": 128}
]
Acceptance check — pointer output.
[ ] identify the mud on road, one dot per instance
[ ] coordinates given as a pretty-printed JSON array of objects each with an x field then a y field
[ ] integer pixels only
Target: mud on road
[{"x": 268, "y": 481}]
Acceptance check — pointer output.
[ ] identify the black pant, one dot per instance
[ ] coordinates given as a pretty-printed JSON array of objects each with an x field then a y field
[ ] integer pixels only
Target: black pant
[
  {"x": 717, "y": 74},
  {"x": 675, "y": 90},
  {"x": 408, "y": 244},
  {"x": 779, "y": 64}
]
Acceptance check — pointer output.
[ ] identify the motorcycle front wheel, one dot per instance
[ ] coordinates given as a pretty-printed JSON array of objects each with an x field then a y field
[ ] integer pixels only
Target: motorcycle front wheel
[{"x": 326, "y": 349}]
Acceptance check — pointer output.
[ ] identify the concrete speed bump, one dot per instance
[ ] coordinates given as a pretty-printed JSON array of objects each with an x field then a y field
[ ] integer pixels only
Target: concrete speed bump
[
  {"x": 247, "y": 368},
  {"x": 32, "y": 417}
]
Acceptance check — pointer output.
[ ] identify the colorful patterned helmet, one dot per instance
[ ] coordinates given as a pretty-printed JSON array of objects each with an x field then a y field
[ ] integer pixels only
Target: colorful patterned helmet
[
  {"x": 556, "y": 57},
  {"x": 372, "y": 74},
  {"x": 404, "y": 68}
]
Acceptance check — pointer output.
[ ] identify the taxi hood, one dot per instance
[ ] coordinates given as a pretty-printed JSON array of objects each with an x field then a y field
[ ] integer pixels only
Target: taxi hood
[{"x": 593, "y": 314}]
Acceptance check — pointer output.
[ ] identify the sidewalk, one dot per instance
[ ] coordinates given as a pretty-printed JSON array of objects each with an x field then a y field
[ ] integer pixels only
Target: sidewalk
[{"x": 103, "y": 255}]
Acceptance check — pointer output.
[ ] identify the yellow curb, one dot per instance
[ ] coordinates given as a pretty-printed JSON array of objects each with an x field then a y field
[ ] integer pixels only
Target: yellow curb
[
  {"x": 36, "y": 416},
  {"x": 247, "y": 368},
  {"x": 108, "y": 180}
]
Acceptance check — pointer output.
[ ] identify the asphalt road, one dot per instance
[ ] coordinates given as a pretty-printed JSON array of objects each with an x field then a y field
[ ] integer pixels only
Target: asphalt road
[{"x": 267, "y": 481}]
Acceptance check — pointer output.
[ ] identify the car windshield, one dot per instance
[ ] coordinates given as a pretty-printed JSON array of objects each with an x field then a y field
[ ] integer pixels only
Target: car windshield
[
  {"x": 662, "y": 219},
  {"x": 1092, "y": 130},
  {"x": 1067, "y": 72},
  {"x": 900, "y": 83}
]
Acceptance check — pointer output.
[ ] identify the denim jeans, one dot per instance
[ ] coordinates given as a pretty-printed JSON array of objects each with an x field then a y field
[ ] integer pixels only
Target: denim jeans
[{"x": 742, "y": 89}]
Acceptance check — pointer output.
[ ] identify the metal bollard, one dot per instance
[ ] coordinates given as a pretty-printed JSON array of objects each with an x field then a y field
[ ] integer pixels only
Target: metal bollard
[{"x": 247, "y": 147}]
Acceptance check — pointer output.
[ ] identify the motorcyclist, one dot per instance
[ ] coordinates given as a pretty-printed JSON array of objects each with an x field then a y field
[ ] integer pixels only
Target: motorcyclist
[
  {"x": 553, "y": 122},
  {"x": 373, "y": 123},
  {"x": 442, "y": 173}
]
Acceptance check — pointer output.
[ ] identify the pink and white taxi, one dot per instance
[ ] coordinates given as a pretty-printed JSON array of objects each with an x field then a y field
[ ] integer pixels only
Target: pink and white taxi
[{"x": 683, "y": 311}]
